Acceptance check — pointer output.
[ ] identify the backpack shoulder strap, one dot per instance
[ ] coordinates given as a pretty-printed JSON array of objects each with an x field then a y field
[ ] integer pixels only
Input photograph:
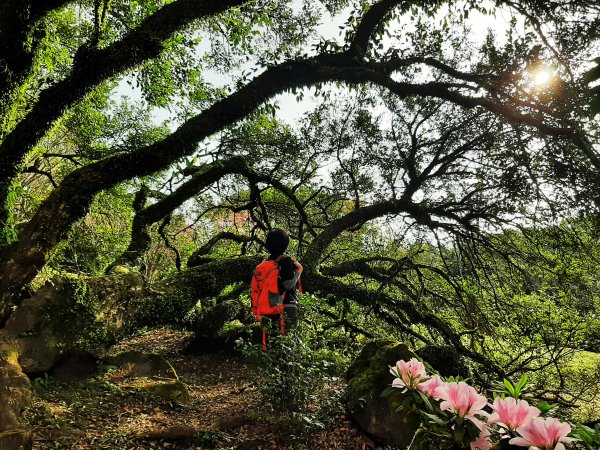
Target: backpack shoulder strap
[{"x": 281, "y": 258}]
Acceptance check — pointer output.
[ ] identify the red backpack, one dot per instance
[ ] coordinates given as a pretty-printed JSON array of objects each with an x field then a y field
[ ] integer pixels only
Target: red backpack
[{"x": 266, "y": 299}]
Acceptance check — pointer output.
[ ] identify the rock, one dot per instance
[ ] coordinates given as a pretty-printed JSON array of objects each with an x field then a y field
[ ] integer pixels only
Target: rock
[
  {"x": 16, "y": 439},
  {"x": 234, "y": 421},
  {"x": 444, "y": 359},
  {"x": 367, "y": 377},
  {"x": 219, "y": 324},
  {"x": 28, "y": 325},
  {"x": 54, "y": 322},
  {"x": 172, "y": 433},
  {"x": 72, "y": 315},
  {"x": 171, "y": 391},
  {"x": 75, "y": 367},
  {"x": 14, "y": 397},
  {"x": 139, "y": 364}
]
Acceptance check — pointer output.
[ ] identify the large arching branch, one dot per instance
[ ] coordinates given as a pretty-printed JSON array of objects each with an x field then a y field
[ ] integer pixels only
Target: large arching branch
[
  {"x": 222, "y": 236},
  {"x": 421, "y": 213},
  {"x": 72, "y": 198},
  {"x": 326, "y": 285},
  {"x": 202, "y": 178},
  {"x": 91, "y": 67},
  {"x": 369, "y": 22}
]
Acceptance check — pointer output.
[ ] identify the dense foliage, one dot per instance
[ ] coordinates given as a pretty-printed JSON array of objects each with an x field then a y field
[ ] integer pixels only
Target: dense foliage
[{"x": 436, "y": 163}]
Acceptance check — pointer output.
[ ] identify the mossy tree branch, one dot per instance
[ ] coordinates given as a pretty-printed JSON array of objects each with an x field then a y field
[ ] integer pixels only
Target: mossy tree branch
[
  {"x": 91, "y": 67},
  {"x": 72, "y": 198},
  {"x": 318, "y": 283}
]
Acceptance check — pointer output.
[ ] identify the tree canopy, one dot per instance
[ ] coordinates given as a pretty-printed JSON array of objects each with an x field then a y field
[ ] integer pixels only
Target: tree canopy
[{"x": 446, "y": 159}]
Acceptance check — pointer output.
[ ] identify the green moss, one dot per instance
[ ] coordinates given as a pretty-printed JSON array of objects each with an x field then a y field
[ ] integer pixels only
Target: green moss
[
  {"x": 369, "y": 373},
  {"x": 231, "y": 327},
  {"x": 74, "y": 315},
  {"x": 9, "y": 355}
]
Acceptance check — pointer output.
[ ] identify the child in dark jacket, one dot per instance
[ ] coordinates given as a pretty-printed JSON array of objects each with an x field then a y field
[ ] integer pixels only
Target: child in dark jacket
[{"x": 289, "y": 272}]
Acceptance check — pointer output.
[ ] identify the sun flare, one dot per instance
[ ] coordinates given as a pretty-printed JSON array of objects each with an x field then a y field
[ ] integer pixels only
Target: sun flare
[{"x": 541, "y": 77}]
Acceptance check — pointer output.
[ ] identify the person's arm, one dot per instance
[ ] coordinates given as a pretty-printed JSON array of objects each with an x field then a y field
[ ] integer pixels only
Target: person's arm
[
  {"x": 299, "y": 267},
  {"x": 296, "y": 268}
]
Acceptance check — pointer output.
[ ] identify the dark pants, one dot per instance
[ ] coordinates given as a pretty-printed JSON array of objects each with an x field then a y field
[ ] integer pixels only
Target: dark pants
[{"x": 290, "y": 315}]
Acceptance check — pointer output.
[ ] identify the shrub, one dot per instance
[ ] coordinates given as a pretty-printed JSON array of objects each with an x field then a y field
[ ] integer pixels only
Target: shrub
[{"x": 455, "y": 416}]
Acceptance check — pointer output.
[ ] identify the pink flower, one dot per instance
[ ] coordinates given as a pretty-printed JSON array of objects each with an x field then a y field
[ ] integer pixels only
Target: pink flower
[
  {"x": 482, "y": 442},
  {"x": 543, "y": 434},
  {"x": 511, "y": 413},
  {"x": 463, "y": 400},
  {"x": 408, "y": 374},
  {"x": 429, "y": 387}
]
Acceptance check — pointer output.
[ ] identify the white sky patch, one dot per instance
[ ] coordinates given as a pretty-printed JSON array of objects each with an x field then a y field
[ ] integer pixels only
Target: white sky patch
[{"x": 290, "y": 109}]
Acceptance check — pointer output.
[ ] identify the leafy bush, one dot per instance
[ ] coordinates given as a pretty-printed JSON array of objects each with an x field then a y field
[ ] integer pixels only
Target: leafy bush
[
  {"x": 455, "y": 416},
  {"x": 295, "y": 380}
]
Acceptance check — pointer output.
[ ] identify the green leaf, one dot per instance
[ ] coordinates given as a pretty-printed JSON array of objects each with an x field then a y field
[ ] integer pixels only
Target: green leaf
[
  {"x": 389, "y": 391},
  {"x": 521, "y": 384},
  {"x": 437, "y": 419},
  {"x": 425, "y": 401},
  {"x": 545, "y": 407},
  {"x": 509, "y": 387}
]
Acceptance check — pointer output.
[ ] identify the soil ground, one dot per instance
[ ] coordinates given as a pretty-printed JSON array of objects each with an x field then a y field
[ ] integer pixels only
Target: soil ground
[{"x": 226, "y": 410}]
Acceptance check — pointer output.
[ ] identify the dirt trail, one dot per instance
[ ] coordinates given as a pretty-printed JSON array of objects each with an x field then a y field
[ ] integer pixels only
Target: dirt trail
[{"x": 225, "y": 410}]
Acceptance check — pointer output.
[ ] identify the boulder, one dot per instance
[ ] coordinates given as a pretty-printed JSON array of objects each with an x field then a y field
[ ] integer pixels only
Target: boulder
[
  {"x": 29, "y": 326},
  {"x": 218, "y": 324},
  {"x": 72, "y": 316},
  {"x": 14, "y": 397},
  {"x": 53, "y": 323},
  {"x": 138, "y": 364},
  {"x": 445, "y": 360},
  {"x": 171, "y": 391},
  {"x": 367, "y": 377}
]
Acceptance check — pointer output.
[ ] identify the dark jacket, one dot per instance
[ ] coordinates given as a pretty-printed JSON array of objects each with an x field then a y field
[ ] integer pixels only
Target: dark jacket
[{"x": 288, "y": 285}]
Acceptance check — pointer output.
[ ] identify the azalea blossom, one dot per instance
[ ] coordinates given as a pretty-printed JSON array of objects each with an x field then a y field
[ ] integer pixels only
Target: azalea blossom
[
  {"x": 482, "y": 442},
  {"x": 543, "y": 434},
  {"x": 512, "y": 414},
  {"x": 430, "y": 386},
  {"x": 463, "y": 400},
  {"x": 408, "y": 374}
]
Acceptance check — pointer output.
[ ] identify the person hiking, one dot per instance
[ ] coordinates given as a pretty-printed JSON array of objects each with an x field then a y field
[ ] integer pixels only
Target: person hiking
[
  {"x": 289, "y": 272},
  {"x": 275, "y": 285}
]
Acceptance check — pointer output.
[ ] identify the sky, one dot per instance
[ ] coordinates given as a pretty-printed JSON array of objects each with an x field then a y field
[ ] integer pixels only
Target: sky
[{"x": 289, "y": 107}]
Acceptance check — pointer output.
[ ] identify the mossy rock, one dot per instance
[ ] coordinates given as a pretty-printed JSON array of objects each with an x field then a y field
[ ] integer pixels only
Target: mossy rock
[
  {"x": 14, "y": 397},
  {"x": 171, "y": 391},
  {"x": 16, "y": 439},
  {"x": 445, "y": 360},
  {"x": 219, "y": 325},
  {"x": 367, "y": 377},
  {"x": 138, "y": 364},
  {"x": 14, "y": 386},
  {"x": 57, "y": 320}
]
